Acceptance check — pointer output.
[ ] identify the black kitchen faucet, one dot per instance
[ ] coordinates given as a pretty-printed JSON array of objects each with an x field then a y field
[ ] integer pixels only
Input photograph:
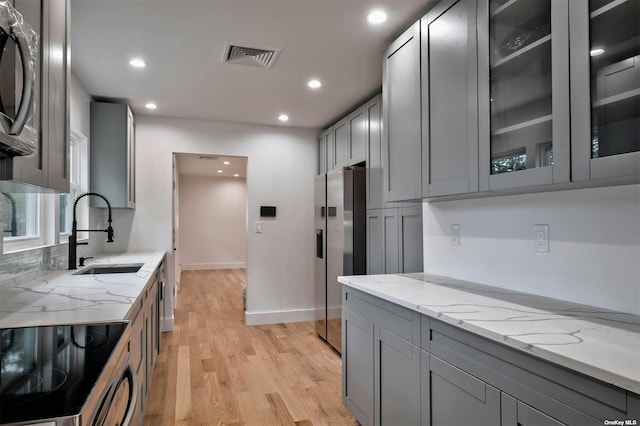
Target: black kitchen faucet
[{"x": 73, "y": 238}]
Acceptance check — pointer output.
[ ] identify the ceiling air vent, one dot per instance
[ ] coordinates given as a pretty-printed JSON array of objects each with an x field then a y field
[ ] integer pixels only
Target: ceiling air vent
[{"x": 250, "y": 55}]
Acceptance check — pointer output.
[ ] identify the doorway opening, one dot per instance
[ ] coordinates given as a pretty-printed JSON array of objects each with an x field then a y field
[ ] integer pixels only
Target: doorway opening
[{"x": 209, "y": 215}]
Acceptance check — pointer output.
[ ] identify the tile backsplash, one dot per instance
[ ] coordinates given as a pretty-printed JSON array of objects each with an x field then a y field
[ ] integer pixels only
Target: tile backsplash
[{"x": 23, "y": 266}]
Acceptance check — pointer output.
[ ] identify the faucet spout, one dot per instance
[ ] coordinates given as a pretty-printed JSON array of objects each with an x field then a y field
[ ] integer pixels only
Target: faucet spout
[{"x": 73, "y": 238}]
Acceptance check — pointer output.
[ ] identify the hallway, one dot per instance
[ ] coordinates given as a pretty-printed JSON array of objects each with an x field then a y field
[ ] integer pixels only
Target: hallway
[{"x": 213, "y": 369}]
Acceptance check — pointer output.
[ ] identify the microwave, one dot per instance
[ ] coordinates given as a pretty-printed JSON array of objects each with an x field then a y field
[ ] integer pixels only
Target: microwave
[{"x": 19, "y": 75}]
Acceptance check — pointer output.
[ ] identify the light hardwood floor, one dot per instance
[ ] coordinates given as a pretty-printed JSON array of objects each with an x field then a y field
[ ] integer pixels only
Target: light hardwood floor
[{"x": 214, "y": 370}]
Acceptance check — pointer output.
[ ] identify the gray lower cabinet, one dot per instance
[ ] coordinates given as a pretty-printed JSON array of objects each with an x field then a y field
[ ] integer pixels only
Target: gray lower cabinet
[
  {"x": 144, "y": 321},
  {"x": 359, "y": 369},
  {"x": 424, "y": 371},
  {"x": 397, "y": 386},
  {"x": 401, "y": 140},
  {"x": 453, "y": 397},
  {"x": 516, "y": 413}
]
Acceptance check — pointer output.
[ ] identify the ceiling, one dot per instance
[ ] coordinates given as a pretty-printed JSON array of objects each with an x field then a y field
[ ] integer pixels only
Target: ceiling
[
  {"x": 211, "y": 165},
  {"x": 182, "y": 42}
]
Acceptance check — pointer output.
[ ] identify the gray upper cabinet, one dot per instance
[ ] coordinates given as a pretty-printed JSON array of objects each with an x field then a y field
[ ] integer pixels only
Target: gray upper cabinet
[
  {"x": 328, "y": 141},
  {"x": 341, "y": 138},
  {"x": 375, "y": 242},
  {"x": 401, "y": 141},
  {"x": 373, "y": 155},
  {"x": 523, "y": 61},
  {"x": 322, "y": 154},
  {"x": 113, "y": 154},
  {"x": 48, "y": 170},
  {"x": 449, "y": 99},
  {"x": 358, "y": 128},
  {"x": 605, "y": 88},
  {"x": 410, "y": 239}
]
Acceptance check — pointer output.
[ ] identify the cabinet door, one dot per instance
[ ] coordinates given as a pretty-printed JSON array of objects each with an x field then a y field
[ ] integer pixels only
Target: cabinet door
[
  {"x": 449, "y": 99},
  {"x": 375, "y": 242},
  {"x": 410, "y": 244},
  {"x": 322, "y": 155},
  {"x": 397, "y": 380},
  {"x": 453, "y": 397},
  {"x": 328, "y": 140},
  {"x": 341, "y": 140},
  {"x": 390, "y": 241},
  {"x": 374, "y": 153},
  {"x": 131, "y": 160},
  {"x": 524, "y": 102},
  {"x": 357, "y": 135},
  {"x": 401, "y": 142},
  {"x": 516, "y": 413},
  {"x": 57, "y": 132},
  {"x": 605, "y": 88},
  {"x": 357, "y": 367}
]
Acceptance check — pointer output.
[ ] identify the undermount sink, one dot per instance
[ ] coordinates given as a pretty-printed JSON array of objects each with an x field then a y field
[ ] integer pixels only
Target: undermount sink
[{"x": 119, "y": 268}]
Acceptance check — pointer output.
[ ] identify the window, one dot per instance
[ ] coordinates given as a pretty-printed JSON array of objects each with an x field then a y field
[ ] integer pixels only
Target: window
[
  {"x": 78, "y": 184},
  {"x": 22, "y": 221}
]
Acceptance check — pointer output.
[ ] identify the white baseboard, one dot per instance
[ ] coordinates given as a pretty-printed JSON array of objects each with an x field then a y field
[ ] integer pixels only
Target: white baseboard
[
  {"x": 205, "y": 266},
  {"x": 166, "y": 324},
  {"x": 276, "y": 317}
]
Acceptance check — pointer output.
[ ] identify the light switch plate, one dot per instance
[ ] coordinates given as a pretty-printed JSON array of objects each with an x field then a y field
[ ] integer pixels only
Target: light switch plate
[
  {"x": 258, "y": 227},
  {"x": 455, "y": 234},
  {"x": 542, "y": 238}
]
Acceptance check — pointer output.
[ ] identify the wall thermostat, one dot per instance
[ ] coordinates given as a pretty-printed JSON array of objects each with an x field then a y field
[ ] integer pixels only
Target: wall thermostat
[{"x": 267, "y": 211}]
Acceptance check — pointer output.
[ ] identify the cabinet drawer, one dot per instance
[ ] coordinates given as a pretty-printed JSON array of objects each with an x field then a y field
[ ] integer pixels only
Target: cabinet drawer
[
  {"x": 399, "y": 320},
  {"x": 569, "y": 396}
]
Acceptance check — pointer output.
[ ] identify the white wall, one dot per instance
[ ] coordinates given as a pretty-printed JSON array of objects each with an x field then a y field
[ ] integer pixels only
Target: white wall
[
  {"x": 280, "y": 170},
  {"x": 212, "y": 222},
  {"x": 594, "y": 234}
]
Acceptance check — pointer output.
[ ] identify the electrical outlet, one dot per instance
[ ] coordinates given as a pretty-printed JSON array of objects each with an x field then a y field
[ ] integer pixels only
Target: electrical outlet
[
  {"x": 542, "y": 238},
  {"x": 258, "y": 227},
  {"x": 455, "y": 235}
]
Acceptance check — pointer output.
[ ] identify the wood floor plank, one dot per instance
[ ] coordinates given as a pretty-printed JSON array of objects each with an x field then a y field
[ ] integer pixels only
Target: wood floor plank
[{"x": 214, "y": 370}]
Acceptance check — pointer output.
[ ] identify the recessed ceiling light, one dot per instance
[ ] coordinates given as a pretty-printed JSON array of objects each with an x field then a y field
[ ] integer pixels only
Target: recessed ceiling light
[
  {"x": 377, "y": 16},
  {"x": 137, "y": 63},
  {"x": 236, "y": 175},
  {"x": 314, "y": 84},
  {"x": 283, "y": 117},
  {"x": 219, "y": 171},
  {"x": 596, "y": 52},
  {"x": 151, "y": 105},
  {"x": 226, "y": 163}
]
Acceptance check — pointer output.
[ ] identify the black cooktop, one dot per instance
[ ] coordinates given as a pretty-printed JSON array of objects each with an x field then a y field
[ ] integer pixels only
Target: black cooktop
[{"x": 49, "y": 372}]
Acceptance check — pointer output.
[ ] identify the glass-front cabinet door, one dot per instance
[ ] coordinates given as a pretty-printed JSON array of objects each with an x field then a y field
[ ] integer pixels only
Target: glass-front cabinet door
[
  {"x": 605, "y": 88},
  {"x": 524, "y": 104}
]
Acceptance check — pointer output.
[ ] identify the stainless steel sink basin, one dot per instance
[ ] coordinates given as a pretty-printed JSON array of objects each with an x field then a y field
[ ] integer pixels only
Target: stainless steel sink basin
[{"x": 119, "y": 268}]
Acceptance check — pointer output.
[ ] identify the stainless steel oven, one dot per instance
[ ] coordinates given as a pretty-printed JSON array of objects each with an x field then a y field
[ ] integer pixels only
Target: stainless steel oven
[
  {"x": 19, "y": 77},
  {"x": 67, "y": 376}
]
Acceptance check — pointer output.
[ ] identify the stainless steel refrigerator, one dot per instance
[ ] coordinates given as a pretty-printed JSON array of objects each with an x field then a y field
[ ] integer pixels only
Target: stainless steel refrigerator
[{"x": 340, "y": 221}]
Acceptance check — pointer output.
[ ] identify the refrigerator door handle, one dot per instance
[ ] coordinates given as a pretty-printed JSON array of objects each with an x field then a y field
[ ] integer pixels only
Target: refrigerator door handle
[{"x": 319, "y": 244}]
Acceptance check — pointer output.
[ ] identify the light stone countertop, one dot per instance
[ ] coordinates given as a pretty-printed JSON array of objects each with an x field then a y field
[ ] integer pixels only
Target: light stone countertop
[
  {"x": 63, "y": 298},
  {"x": 597, "y": 342}
]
